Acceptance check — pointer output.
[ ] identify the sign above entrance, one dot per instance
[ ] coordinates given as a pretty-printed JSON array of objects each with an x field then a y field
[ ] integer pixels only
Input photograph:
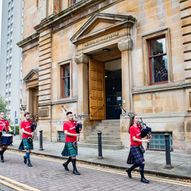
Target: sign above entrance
[{"x": 102, "y": 39}]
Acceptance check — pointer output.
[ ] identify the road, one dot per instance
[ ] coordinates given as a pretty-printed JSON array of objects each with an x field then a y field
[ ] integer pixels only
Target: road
[{"x": 47, "y": 174}]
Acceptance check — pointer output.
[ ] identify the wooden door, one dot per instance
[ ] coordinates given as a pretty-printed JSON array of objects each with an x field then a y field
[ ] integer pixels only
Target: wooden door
[
  {"x": 96, "y": 90},
  {"x": 34, "y": 102}
]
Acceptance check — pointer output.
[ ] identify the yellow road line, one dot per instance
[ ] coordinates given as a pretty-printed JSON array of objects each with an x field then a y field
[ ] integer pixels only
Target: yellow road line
[{"x": 16, "y": 185}]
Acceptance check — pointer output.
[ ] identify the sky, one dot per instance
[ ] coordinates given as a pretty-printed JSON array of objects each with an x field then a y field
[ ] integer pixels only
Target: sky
[{"x": 0, "y": 17}]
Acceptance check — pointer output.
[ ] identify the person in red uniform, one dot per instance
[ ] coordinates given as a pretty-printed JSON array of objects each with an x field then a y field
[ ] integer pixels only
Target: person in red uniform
[
  {"x": 4, "y": 126},
  {"x": 27, "y": 142},
  {"x": 71, "y": 138},
  {"x": 136, "y": 154}
]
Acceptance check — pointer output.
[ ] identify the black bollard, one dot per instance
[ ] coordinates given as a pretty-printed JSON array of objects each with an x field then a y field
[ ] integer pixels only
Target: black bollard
[
  {"x": 167, "y": 150},
  {"x": 99, "y": 133},
  {"x": 41, "y": 140}
]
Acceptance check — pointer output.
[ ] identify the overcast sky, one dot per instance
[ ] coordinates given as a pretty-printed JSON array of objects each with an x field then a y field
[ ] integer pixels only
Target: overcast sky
[{"x": 0, "y": 16}]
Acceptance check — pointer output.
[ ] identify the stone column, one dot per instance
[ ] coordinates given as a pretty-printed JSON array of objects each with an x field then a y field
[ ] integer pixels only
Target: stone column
[
  {"x": 82, "y": 60},
  {"x": 125, "y": 46}
]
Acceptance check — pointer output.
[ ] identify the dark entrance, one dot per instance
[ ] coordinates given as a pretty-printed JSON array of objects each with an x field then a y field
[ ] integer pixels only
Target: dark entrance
[{"x": 113, "y": 89}]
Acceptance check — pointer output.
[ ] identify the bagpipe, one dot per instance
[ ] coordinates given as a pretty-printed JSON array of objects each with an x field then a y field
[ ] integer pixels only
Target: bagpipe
[
  {"x": 78, "y": 127},
  {"x": 145, "y": 130},
  {"x": 33, "y": 125}
]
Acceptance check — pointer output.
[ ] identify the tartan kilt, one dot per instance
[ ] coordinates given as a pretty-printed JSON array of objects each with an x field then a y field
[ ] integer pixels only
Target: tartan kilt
[
  {"x": 26, "y": 144},
  {"x": 135, "y": 156},
  {"x": 70, "y": 149}
]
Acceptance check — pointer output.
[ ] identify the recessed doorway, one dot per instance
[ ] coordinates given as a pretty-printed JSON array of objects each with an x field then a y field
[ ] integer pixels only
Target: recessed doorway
[{"x": 113, "y": 89}]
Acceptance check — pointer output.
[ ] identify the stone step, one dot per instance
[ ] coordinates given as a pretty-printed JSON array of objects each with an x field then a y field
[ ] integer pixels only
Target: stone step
[
  {"x": 110, "y": 135},
  {"x": 105, "y": 134},
  {"x": 110, "y": 121},
  {"x": 107, "y": 127},
  {"x": 92, "y": 136},
  {"x": 105, "y": 142},
  {"x": 104, "y": 146}
]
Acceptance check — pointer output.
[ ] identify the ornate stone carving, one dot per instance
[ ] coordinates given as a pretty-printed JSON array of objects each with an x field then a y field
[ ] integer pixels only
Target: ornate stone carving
[
  {"x": 81, "y": 59},
  {"x": 126, "y": 44}
]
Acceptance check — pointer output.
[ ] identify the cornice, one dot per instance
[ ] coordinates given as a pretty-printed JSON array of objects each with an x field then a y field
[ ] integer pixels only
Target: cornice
[
  {"x": 29, "y": 39},
  {"x": 69, "y": 12},
  {"x": 66, "y": 17}
]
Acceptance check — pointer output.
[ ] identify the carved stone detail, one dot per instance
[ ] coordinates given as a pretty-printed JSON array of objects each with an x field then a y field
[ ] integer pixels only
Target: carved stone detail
[
  {"x": 81, "y": 59},
  {"x": 126, "y": 44}
]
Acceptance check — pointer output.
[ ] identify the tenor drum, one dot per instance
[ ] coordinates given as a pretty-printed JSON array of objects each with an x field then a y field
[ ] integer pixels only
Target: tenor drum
[{"x": 6, "y": 139}]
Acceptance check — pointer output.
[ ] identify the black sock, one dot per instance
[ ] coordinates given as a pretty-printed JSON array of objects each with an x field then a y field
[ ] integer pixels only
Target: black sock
[
  {"x": 68, "y": 161},
  {"x": 74, "y": 164},
  {"x": 4, "y": 149},
  {"x": 142, "y": 166},
  {"x": 133, "y": 167}
]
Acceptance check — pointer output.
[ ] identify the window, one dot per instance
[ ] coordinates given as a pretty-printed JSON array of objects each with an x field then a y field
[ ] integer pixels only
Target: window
[
  {"x": 158, "y": 64},
  {"x": 58, "y": 6},
  {"x": 72, "y": 2},
  {"x": 158, "y": 141},
  {"x": 65, "y": 80},
  {"x": 157, "y": 58}
]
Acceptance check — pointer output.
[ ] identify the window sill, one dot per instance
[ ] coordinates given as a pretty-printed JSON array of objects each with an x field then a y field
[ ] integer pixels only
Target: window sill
[{"x": 161, "y": 87}]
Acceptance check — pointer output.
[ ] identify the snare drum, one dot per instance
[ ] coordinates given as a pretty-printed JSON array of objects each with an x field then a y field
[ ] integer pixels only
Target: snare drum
[{"x": 6, "y": 139}]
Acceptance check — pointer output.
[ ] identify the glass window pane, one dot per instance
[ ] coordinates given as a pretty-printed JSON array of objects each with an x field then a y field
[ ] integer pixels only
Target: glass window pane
[
  {"x": 66, "y": 71},
  {"x": 67, "y": 87},
  {"x": 159, "y": 69},
  {"x": 158, "y": 46}
]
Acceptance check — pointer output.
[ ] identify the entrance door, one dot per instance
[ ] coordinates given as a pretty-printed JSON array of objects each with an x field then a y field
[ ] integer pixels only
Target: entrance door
[
  {"x": 96, "y": 90},
  {"x": 113, "y": 88},
  {"x": 34, "y": 101}
]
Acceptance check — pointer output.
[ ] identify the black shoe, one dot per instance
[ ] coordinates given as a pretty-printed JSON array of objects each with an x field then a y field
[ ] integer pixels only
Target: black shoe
[
  {"x": 29, "y": 163},
  {"x": 144, "y": 180},
  {"x": 25, "y": 159},
  {"x": 76, "y": 172},
  {"x": 65, "y": 166},
  {"x": 129, "y": 173}
]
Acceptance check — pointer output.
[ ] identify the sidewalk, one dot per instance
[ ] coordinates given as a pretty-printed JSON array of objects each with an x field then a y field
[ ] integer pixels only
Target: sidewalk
[{"x": 155, "y": 160}]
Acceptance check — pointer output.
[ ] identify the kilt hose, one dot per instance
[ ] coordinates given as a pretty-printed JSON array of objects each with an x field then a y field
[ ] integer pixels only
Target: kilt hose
[{"x": 70, "y": 149}]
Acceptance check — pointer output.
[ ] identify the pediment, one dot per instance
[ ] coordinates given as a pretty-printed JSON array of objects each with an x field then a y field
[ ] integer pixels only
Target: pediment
[
  {"x": 32, "y": 75},
  {"x": 100, "y": 23}
]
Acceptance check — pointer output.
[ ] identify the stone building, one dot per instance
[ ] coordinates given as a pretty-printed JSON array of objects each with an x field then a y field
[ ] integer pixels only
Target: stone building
[{"x": 92, "y": 57}]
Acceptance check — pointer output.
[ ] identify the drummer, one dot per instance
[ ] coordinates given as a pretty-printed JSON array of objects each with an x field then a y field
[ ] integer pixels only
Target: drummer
[{"x": 4, "y": 126}]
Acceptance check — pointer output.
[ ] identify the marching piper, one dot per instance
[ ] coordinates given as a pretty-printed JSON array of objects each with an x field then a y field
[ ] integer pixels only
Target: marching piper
[
  {"x": 27, "y": 141},
  {"x": 136, "y": 154},
  {"x": 71, "y": 138}
]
